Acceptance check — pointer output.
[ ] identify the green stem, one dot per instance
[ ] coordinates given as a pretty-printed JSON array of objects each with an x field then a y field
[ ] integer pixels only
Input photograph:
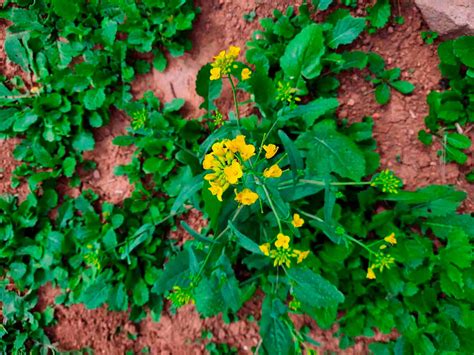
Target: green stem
[
  {"x": 322, "y": 183},
  {"x": 234, "y": 95},
  {"x": 270, "y": 202},
  {"x": 198, "y": 275}
]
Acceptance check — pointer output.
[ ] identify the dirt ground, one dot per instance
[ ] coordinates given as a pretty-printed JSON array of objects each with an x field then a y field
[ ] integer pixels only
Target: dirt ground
[{"x": 220, "y": 25}]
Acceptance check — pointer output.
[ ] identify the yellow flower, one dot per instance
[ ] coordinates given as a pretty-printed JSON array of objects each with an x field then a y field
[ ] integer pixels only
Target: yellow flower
[
  {"x": 273, "y": 172},
  {"x": 370, "y": 273},
  {"x": 270, "y": 150},
  {"x": 246, "y": 197},
  {"x": 209, "y": 162},
  {"x": 234, "y": 51},
  {"x": 391, "y": 239},
  {"x": 215, "y": 74},
  {"x": 223, "y": 63},
  {"x": 301, "y": 255},
  {"x": 297, "y": 221},
  {"x": 283, "y": 241},
  {"x": 246, "y": 74},
  {"x": 265, "y": 248},
  {"x": 217, "y": 190},
  {"x": 247, "y": 151},
  {"x": 233, "y": 172},
  {"x": 219, "y": 148}
]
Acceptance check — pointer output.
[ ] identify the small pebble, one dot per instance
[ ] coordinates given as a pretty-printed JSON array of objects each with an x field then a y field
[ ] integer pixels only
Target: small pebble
[
  {"x": 96, "y": 174},
  {"x": 351, "y": 102}
]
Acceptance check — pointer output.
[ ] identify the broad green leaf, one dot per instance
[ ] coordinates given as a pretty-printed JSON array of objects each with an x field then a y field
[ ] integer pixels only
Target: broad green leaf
[
  {"x": 118, "y": 299},
  {"x": 94, "y": 98},
  {"x": 456, "y": 155},
  {"x": 345, "y": 31},
  {"x": 96, "y": 294},
  {"x": 312, "y": 110},
  {"x": 140, "y": 293},
  {"x": 83, "y": 141},
  {"x": 379, "y": 14},
  {"x": 382, "y": 93},
  {"x": 15, "y": 49},
  {"x": 66, "y": 9},
  {"x": 24, "y": 121},
  {"x": 405, "y": 87},
  {"x": 303, "y": 54},
  {"x": 464, "y": 49},
  {"x": 274, "y": 330},
  {"x": 458, "y": 140},
  {"x": 330, "y": 151},
  {"x": 322, "y": 4},
  {"x": 174, "y": 105},
  {"x": 197, "y": 236},
  {"x": 312, "y": 290},
  {"x": 425, "y": 137},
  {"x": 208, "y": 89}
]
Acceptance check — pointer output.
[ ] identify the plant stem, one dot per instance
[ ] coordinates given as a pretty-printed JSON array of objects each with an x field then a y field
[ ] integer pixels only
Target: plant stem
[
  {"x": 234, "y": 95},
  {"x": 270, "y": 202}
]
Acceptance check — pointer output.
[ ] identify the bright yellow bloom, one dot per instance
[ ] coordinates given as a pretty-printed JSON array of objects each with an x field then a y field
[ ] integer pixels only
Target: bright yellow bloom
[
  {"x": 283, "y": 241},
  {"x": 297, "y": 221},
  {"x": 219, "y": 148},
  {"x": 246, "y": 74},
  {"x": 265, "y": 248},
  {"x": 223, "y": 63},
  {"x": 246, "y": 197},
  {"x": 217, "y": 190},
  {"x": 233, "y": 172},
  {"x": 270, "y": 150},
  {"x": 301, "y": 255},
  {"x": 273, "y": 172},
  {"x": 234, "y": 52},
  {"x": 238, "y": 144},
  {"x": 247, "y": 151},
  {"x": 209, "y": 162},
  {"x": 370, "y": 273},
  {"x": 215, "y": 74},
  {"x": 391, "y": 239}
]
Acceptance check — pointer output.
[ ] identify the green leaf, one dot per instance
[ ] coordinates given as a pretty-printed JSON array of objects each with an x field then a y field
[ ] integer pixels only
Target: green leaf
[
  {"x": 244, "y": 241},
  {"x": 173, "y": 106},
  {"x": 199, "y": 237},
  {"x": 275, "y": 333},
  {"x": 94, "y": 98},
  {"x": 83, "y": 141},
  {"x": 296, "y": 162},
  {"x": 24, "y": 121},
  {"x": 312, "y": 110},
  {"x": 159, "y": 61},
  {"x": 322, "y": 4},
  {"x": 425, "y": 137},
  {"x": 330, "y": 151},
  {"x": 345, "y": 31},
  {"x": 15, "y": 49},
  {"x": 458, "y": 140},
  {"x": 379, "y": 14},
  {"x": 303, "y": 54},
  {"x": 208, "y": 89},
  {"x": 118, "y": 300},
  {"x": 312, "y": 290},
  {"x": 456, "y": 155},
  {"x": 382, "y": 93},
  {"x": 66, "y": 9},
  {"x": 140, "y": 293},
  {"x": 95, "y": 294},
  {"x": 69, "y": 166},
  {"x": 464, "y": 49},
  {"x": 405, "y": 87},
  {"x": 17, "y": 270}
]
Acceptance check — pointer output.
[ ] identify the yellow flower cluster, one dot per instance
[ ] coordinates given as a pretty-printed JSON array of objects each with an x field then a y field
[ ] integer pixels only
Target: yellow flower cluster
[
  {"x": 223, "y": 62},
  {"x": 225, "y": 161},
  {"x": 382, "y": 260},
  {"x": 282, "y": 253}
]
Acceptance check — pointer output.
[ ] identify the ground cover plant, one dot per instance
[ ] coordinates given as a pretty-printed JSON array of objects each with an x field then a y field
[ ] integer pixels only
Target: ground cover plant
[{"x": 296, "y": 203}]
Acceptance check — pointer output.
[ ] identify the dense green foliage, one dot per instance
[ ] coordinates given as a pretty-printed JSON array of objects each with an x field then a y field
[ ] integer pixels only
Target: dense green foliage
[
  {"x": 98, "y": 253},
  {"x": 452, "y": 108}
]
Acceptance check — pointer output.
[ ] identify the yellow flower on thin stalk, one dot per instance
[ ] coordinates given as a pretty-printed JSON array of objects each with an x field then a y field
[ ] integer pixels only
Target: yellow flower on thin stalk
[
  {"x": 246, "y": 197},
  {"x": 246, "y": 74},
  {"x": 270, "y": 150},
  {"x": 391, "y": 239},
  {"x": 273, "y": 172},
  {"x": 371, "y": 273},
  {"x": 301, "y": 255},
  {"x": 283, "y": 241},
  {"x": 297, "y": 221},
  {"x": 223, "y": 63}
]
